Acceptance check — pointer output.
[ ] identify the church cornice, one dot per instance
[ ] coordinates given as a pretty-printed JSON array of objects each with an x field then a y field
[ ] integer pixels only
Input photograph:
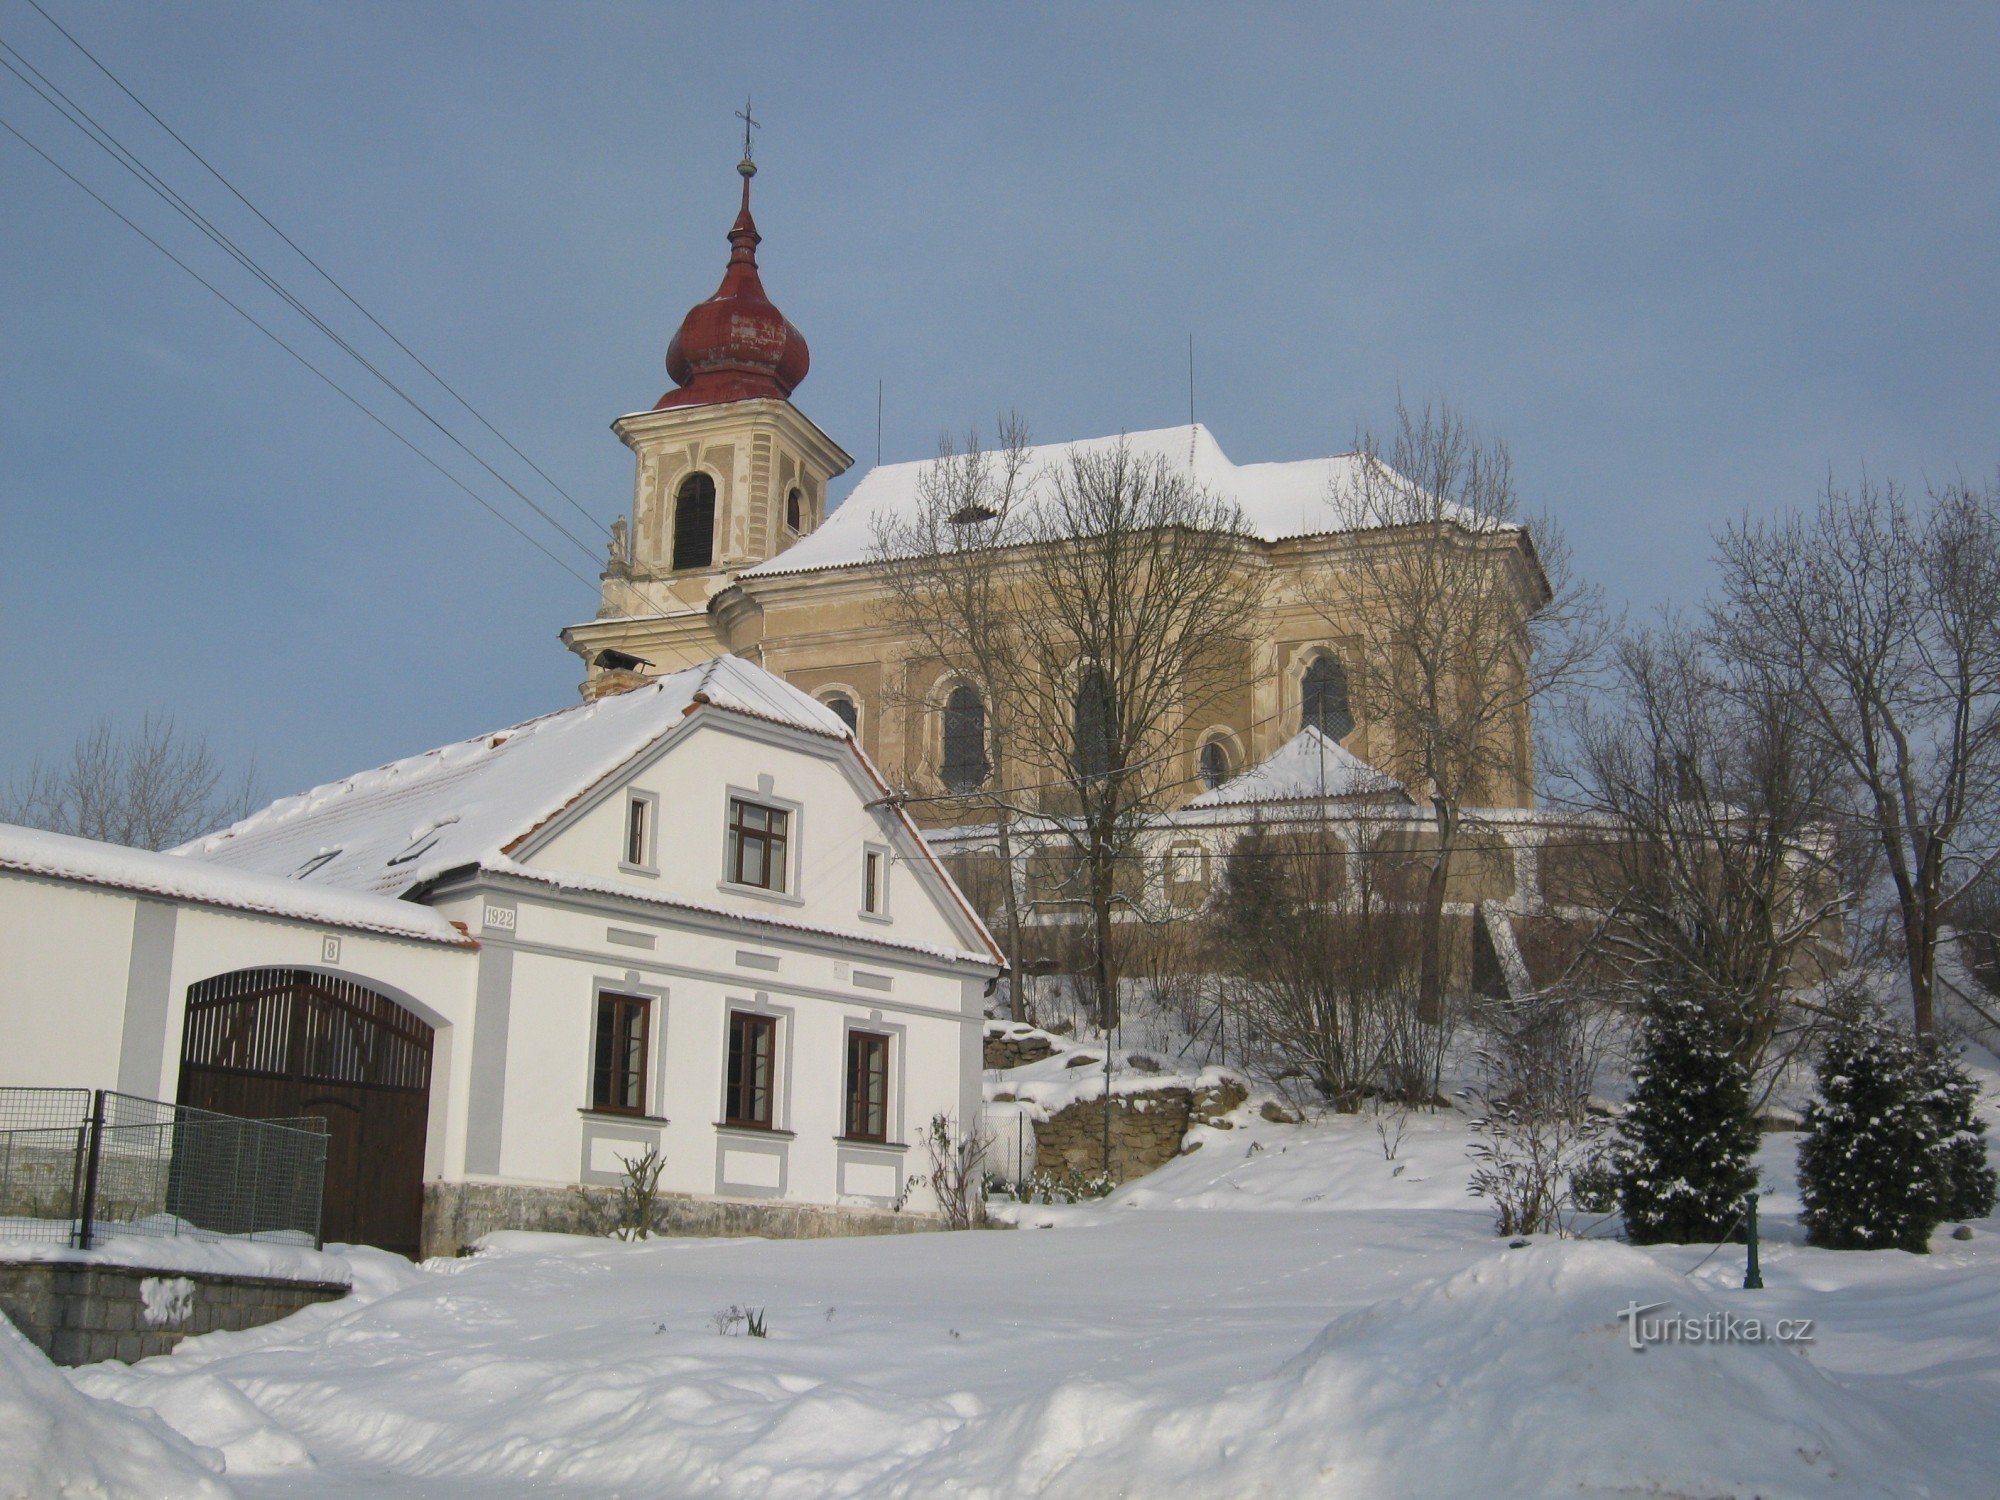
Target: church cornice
[{"x": 639, "y": 428}]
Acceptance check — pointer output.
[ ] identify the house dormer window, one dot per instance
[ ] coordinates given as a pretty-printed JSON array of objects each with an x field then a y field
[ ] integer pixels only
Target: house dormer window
[
  {"x": 759, "y": 844},
  {"x": 317, "y": 863}
]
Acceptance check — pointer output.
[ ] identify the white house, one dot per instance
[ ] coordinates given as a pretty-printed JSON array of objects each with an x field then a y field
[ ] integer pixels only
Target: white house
[{"x": 682, "y": 917}]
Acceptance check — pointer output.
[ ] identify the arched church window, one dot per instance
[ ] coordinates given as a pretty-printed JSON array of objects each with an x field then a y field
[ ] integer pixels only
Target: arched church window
[
  {"x": 795, "y": 509},
  {"x": 1323, "y": 698},
  {"x": 1095, "y": 718},
  {"x": 964, "y": 740},
  {"x": 1214, "y": 764},
  {"x": 844, "y": 710},
  {"x": 694, "y": 522}
]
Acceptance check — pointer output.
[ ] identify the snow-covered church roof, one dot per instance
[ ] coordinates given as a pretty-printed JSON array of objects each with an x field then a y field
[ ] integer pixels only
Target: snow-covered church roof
[
  {"x": 391, "y": 829},
  {"x": 1278, "y": 500},
  {"x": 1308, "y": 767}
]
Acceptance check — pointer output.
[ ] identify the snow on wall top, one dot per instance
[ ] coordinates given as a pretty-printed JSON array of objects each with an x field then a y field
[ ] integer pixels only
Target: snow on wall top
[
  {"x": 1307, "y": 767},
  {"x": 391, "y": 829},
  {"x": 1279, "y": 500},
  {"x": 61, "y": 857}
]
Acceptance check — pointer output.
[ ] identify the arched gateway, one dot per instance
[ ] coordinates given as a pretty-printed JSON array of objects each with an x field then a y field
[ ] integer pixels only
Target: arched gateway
[{"x": 279, "y": 1043}]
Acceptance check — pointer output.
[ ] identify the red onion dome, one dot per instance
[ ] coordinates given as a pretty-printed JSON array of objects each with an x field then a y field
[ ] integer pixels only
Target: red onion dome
[{"x": 736, "y": 346}]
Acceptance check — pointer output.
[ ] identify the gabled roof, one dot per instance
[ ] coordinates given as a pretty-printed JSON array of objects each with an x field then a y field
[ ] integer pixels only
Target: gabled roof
[
  {"x": 392, "y": 829},
  {"x": 58, "y": 856},
  {"x": 1278, "y": 500},
  {"x": 1308, "y": 767}
]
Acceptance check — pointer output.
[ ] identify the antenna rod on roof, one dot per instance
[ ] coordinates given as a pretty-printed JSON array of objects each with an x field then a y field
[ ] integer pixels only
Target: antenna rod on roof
[
  {"x": 878, "y": 424},
  {"x": 1190, "y": 401}
]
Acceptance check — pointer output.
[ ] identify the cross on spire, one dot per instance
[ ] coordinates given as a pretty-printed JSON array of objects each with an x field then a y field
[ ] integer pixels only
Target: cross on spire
[{"x": 750, "y": 123}]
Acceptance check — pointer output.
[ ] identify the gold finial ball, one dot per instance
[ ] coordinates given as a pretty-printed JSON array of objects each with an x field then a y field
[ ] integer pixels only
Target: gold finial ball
[{"x": 747, "y": 167}]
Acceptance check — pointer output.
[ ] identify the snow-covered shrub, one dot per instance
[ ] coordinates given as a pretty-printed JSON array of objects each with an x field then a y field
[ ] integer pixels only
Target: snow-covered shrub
[
  {"x": 1073, "y": 1186},
  {"x": 1955, "y": 1101},
  {"x": 1685, "y": 1145},
  {"x": 1593, "y": 1186},
  {"x": 1895, "y": 1149},
  {"x": 1534, "y": 1129}
]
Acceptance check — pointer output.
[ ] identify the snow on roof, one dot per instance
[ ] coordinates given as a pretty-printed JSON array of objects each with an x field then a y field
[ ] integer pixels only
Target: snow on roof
[
  {"x": 59, "y": 856},
  {"x": 391, "y": 829},
  {"x": 1308, "y": 767},
  {"x": 1279, "y": 500}
]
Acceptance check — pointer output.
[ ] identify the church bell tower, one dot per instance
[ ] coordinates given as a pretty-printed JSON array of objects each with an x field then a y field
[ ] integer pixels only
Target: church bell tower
[{"x": 727, "y": 472}]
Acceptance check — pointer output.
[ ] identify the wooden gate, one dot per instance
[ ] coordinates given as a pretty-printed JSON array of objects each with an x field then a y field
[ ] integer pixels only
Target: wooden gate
[{"x": 277, "y": 1043}]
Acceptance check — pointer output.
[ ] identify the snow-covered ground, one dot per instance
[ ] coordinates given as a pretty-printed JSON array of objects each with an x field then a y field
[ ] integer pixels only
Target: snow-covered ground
[{"x": 1283, "y": 1312}]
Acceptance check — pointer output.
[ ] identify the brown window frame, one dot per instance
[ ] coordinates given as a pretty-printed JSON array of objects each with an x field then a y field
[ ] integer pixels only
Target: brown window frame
[
  {"x": 867, "y": 1061},
  {"x": 773, "y": 842},
  {"x": 637, "y": 819},
  {"x": 739, "y": 1090},
  {"x": 624, "y": 1014}
]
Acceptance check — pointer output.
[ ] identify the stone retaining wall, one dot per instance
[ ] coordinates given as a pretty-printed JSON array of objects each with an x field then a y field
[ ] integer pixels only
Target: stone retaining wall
[
  {"x": 1003, "y": 1051},
  {"x": 79, "y": 1314},
  {"x": 1147, "y": 1129},
  {"x": 456, "y": 1214}
]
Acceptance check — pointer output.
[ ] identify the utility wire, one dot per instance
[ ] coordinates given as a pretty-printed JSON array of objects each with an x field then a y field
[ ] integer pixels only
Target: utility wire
[
  {"x": 341, "y": 390},
  {"x": 325, "y": 274},
  {"x": 77, "y": 116}
]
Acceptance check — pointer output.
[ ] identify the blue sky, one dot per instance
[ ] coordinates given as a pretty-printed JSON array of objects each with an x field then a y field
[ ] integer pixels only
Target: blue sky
[{"x": 1683, "y": 257}]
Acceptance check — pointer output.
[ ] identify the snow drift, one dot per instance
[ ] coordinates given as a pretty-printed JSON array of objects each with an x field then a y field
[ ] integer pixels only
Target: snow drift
[
  {"x": 58, "y": 1444},
  {"x": 1513, "y": 1377}
]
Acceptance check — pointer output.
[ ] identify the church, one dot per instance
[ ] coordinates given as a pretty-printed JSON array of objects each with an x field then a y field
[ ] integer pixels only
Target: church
[{"x": 731, "y": 546}]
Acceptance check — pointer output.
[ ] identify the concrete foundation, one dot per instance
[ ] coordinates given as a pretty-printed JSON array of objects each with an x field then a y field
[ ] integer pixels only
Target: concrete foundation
[
  {"x": 80, "y": 1314},
  {"x": 456, "y": 1214}
]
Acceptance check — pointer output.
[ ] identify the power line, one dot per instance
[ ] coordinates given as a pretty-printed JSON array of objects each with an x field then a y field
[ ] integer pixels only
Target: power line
[
  {"x": 341, "y": 390},
  {"x": 325, "y": 274},
  {"x": 82, "y": 120}
]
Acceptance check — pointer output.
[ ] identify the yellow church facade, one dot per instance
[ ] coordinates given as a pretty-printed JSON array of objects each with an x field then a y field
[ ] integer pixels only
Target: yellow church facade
[{"x": 730, "y": 548}]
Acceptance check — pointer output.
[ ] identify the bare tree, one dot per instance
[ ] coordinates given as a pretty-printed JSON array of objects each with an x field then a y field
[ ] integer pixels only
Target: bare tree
[
  {"x": 1101, "y": 604},
  {"x": 1705, "y": 847},
  {"x": 151, "y": 788},
  {"x": 948, "y": 590},
  {"x": 1134, "y": 618},
  {"x": 1535, "y": 1130},
  {"x": 1884, "y": 617},
  {"x": 1467, "y": 623}
]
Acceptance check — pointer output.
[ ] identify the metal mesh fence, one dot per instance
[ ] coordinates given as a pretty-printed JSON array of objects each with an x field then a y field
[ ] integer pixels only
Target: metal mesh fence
[
  {"x": 78, "y": 1168},
  {"x": 44, "y": 1140}
]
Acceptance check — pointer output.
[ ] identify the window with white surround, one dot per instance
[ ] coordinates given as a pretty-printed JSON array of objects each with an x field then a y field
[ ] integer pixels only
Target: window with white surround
[
  {"x": 750, "y": 1090},
  {"x": 759, "y": 844},
  {"x": 639, "y": 833},
  {"x": 618, "y": 1058},
  {"x": 867, "y": 1087},
  {"x": 874, "y": 882}
]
